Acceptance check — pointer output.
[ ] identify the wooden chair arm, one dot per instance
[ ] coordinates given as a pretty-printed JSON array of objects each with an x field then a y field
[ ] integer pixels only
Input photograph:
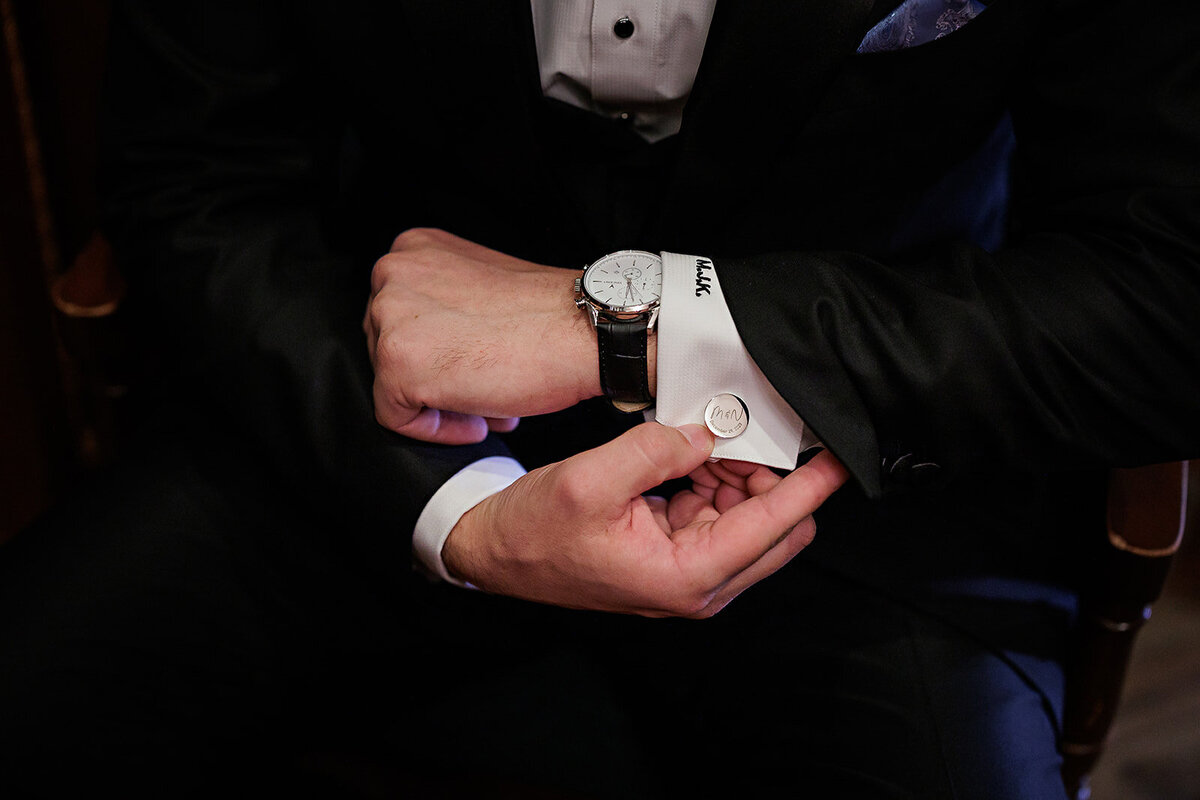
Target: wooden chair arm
[
  {"x": 1147, "y": 513},
  {"x": 87, "y": 298}
]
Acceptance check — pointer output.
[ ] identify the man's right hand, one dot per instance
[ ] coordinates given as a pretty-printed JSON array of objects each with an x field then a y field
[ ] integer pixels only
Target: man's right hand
[
  {"x": 464, "y": 339},
  {"x": 579, "y": 533}
]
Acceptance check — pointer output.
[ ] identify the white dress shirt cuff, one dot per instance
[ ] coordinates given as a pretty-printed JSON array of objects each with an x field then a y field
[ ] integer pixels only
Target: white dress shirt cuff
[
  {"x": 701, "y": 355},
  {"x": 470, "y": 485}
]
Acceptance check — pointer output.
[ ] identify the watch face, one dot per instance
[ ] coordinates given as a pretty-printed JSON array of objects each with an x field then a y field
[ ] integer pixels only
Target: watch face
[{"x": 630, "y": 280}]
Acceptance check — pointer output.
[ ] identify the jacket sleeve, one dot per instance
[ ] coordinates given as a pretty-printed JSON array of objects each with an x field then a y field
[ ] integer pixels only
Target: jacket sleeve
[
  {"x": 1075, "y": 345},
  {"x": 219, "y": 185}
]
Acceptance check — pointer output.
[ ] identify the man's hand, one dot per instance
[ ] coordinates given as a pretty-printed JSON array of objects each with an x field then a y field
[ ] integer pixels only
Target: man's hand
[
  {"x": 725, "y": 482},
  {"x": 580, "y": 534},
  {"x": 465, "y": 339}
]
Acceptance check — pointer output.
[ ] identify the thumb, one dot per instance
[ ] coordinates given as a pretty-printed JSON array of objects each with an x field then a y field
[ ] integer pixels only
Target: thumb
[{"x": 645, "y": 456}]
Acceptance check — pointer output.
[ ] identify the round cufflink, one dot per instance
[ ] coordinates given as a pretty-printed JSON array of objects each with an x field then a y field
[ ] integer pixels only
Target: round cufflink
[{"x": 726, "y": 416}]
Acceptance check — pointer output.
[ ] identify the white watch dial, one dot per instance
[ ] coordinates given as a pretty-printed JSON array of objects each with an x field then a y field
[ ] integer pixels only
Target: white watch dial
[{"x": 630, "y": 280}]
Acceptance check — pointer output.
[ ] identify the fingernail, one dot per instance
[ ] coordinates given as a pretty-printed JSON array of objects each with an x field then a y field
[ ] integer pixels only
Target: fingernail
[{"x": 699, "y": 436}]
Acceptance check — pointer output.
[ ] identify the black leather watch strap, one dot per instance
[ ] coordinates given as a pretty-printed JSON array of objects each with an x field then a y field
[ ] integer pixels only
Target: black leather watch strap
[{"x": 623, "y": 375}]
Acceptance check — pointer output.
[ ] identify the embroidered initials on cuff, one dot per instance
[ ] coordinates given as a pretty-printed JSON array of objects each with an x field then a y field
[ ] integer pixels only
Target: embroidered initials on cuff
[{"x": 701, "y": 356}]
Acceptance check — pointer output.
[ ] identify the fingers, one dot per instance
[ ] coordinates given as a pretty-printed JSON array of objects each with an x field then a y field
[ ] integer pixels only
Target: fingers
[
  {"x": 433, "y": 425},
  {"x": 659, "y": 510},
  {"x": 445, "y": 427},
  {"x": 799, "y": 537},
  {"x": 429, "y": 424},
  {"x": 728, "y": 483},
  {"x": 806, "y": 487},
  {"x": 742, "y": 534},
  {"x": 442, "y": 427},
  {"x": 726, "y": 497},
  {"x": 733, "y": 467},
  {"x": 502, "y": 424},
  {"x": 761, "y": 481},
  {"x": 686, "y": 508},
  {"x": 640, "y": 459},
  {"x": 753, "y": 539},
  {"x": 703, "y": 476}
]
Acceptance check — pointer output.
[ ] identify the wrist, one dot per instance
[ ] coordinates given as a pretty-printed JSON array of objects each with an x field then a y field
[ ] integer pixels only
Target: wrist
[
  {"x": 584, "y": 355},
  {"x": 586, "y": 360},
  {"x": 453, "y": 500},
  {"x": 457, "y": 556},
  {"x": 619, "y": 294}
]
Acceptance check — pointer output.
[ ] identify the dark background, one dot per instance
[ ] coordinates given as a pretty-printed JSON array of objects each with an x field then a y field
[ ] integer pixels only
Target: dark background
[{"x": 68, "y": 378}]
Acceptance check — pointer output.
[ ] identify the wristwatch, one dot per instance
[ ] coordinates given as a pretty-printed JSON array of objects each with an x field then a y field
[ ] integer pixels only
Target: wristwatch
[{"x": 620, "y": 292}]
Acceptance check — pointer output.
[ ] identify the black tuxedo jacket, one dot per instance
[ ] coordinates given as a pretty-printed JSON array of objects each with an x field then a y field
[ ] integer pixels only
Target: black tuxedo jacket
[{"x": 971, "y": 266}]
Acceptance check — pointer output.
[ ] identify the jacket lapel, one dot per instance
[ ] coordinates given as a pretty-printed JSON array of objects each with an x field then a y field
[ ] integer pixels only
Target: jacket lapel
[
  {"x": 491, "y": 66},
  {"x": 766, "y": 65}
]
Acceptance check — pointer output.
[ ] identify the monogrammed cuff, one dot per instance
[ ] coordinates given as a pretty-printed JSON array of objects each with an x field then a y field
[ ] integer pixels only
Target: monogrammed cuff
[{"x": 701, "y": 358}]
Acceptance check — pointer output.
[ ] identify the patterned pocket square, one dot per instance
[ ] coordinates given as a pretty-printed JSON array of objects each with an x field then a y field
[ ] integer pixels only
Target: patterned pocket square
[{"x": 916, "y": 22}]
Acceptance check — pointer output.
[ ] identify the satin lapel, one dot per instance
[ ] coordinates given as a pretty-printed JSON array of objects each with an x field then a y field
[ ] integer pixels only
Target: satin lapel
[
  {"x": 482, "y": 54},
  {"x": 766, "y": 64}
]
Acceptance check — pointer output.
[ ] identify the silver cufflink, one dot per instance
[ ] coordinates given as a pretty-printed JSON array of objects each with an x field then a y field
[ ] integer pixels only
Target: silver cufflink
[{"x": 726, "y": 416}]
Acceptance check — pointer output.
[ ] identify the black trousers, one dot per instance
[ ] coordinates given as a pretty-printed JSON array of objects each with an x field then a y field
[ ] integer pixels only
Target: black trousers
[{"x": 180, "y": 627}]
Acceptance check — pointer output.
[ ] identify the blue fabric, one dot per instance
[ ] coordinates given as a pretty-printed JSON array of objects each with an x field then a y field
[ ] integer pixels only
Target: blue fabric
[{"x": 996, "y": 714}]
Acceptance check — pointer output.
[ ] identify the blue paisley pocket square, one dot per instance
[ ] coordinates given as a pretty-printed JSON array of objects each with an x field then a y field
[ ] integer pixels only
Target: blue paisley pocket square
[{"x": 916, "y": 22}]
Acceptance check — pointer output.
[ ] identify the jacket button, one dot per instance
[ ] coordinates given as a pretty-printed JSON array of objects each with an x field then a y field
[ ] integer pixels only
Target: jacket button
[
  {"x": 923, "y": 475},
  {"x": 623, "y": 28},
  {"x": 907, "y": 470}
]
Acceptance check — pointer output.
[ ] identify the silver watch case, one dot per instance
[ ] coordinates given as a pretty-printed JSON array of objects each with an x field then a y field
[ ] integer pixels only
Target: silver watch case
[{"x": 598, "y": 310}]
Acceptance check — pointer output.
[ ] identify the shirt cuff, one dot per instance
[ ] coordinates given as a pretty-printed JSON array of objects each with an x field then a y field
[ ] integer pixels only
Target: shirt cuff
[
  {"x": 466, "y": 489},
  {"x": 701, "y": 355}
]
